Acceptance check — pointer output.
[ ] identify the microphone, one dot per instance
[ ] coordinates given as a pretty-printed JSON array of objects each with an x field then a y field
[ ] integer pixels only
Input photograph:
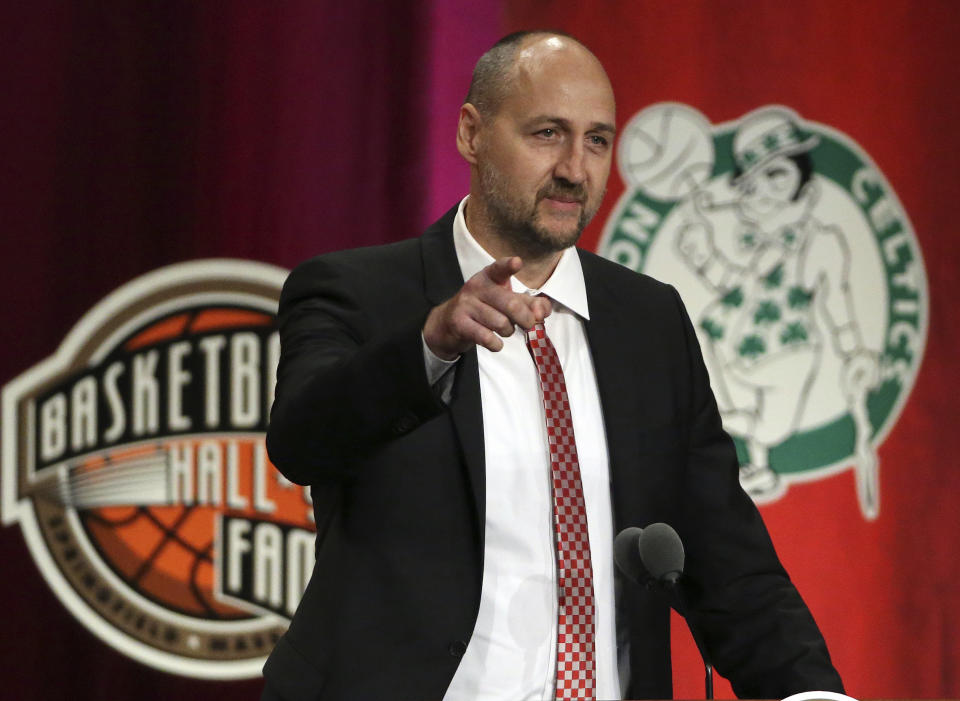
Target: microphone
[
  {"x": 649, "y": 556},
  {"x": 626, "y": 556},
  {"x": 653, "y": 557}
]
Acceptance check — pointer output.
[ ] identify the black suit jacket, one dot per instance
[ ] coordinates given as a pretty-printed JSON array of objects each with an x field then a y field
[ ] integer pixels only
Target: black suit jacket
[{"x": 398, "y": 486}]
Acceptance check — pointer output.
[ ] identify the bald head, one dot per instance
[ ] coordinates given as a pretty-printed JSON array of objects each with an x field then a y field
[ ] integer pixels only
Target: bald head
[
  {"x": 537, "y": 131},
  {"x": 496, "y": 72}
]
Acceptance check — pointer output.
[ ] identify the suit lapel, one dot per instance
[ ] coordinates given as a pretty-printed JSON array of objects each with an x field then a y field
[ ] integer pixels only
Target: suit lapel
[
  {"x": 442, "y": 280},
  {"x": 605, "y": 336}
]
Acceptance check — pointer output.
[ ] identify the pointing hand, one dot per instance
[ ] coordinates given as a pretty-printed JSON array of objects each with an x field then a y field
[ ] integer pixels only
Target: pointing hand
[{"x": 484, "y": 310}]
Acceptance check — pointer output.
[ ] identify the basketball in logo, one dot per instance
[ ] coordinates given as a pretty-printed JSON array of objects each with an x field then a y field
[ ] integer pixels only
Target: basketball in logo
[
  {"x": 801, "y": 273},
  {"x": 134, "y": 462}
]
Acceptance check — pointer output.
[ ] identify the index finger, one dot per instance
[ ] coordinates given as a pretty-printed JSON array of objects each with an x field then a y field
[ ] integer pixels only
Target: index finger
[{"x": 500, "y": 270}]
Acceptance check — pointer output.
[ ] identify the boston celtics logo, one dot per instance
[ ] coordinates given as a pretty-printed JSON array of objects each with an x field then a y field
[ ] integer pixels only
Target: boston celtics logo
[{"x": 801, "y": 273}]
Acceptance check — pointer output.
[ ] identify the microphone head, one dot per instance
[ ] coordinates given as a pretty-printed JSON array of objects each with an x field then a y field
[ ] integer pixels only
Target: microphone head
[
  {"x": 626, "y": 555},
  {"x": 661, "y": 552}
]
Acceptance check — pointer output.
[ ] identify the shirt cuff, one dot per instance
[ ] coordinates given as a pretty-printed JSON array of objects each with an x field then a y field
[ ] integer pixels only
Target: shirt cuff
[{"x": 436, "y": 366}]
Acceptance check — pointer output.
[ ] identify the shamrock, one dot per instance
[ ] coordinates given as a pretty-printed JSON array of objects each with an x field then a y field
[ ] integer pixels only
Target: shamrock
[
  {"x": 713, "y": 329},
  {"x": 767, "y": 312},
  {"x": 752, "y": 346},
  {"x": 774, "y": 278},
  {"x": 794, "y": 332},
  {"x": 799, "y": 298},
  {"x": 733, "y": 298}
]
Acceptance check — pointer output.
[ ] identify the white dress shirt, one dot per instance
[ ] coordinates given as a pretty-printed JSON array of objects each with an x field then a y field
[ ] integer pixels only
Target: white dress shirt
[{"x": 512, "y": 652}]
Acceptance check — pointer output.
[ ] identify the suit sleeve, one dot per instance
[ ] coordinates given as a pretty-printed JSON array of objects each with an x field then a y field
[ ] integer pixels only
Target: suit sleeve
[
  {"x": 351, "y": 373},
  {"x": 760, "y": 634}
]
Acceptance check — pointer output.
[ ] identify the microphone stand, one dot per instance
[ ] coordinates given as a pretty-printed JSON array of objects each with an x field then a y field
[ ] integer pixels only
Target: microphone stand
[
  {"x": 670, "y": 581},
  {"x": 641, "y": 552}
]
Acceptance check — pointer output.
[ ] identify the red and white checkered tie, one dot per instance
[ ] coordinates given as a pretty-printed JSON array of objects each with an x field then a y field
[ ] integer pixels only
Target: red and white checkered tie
[{"x": 575, "y": 619}]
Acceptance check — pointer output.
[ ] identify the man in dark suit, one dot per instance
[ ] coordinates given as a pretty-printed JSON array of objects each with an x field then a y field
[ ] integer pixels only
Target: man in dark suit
[{"x": 408, "y": 400}]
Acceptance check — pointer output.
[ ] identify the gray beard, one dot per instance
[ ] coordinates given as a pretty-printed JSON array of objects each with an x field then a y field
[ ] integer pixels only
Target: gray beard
[{"x": 512, "y": 222}]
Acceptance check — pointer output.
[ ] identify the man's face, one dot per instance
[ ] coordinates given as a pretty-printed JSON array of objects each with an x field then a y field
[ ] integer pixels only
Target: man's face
[
  {"x": 546, "y": 153},
  {"x": 769, "y": 190}
]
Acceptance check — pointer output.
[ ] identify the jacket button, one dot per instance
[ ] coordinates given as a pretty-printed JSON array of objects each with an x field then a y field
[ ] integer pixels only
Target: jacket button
[
  {"x": 405, "y": 424},
  {"x": 457, "y": 648}
]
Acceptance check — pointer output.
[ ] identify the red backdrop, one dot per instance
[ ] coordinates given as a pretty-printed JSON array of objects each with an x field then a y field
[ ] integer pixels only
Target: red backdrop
[
  {"x": 885, "y": 73},
  {"x": 140, "y": 134}
]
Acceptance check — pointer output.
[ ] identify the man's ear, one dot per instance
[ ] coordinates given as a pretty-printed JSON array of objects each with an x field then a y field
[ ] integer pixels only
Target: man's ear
[{"x": 469, "y": 126}]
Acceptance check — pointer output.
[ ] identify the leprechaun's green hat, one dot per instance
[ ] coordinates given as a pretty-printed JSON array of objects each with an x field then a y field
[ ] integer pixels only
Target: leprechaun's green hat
[{"x": 765, "y": 135}]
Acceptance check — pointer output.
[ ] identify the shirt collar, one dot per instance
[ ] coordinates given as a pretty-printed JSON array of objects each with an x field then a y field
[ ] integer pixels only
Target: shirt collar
[{"x": 565, "y": 285}]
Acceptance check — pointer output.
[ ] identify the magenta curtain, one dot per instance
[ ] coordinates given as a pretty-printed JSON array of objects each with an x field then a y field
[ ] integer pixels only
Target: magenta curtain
[{"x": 138, "y": 134}]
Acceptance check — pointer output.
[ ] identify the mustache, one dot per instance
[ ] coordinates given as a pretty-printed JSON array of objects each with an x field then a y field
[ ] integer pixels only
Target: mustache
[{"x": 562, "y": 189}]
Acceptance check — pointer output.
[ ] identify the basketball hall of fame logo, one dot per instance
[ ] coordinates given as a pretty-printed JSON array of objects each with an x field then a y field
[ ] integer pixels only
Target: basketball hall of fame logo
[
  {"x": 801, "y": 273},
  {"x": 134, "y": 461}
]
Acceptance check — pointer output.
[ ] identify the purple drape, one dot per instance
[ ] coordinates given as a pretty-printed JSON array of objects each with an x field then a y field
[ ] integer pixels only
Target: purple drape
[{"x": 137, "y": 134}]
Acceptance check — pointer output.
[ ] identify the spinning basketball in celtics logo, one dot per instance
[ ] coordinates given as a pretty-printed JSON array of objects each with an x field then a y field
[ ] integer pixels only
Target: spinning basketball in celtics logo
[{"x": 801, "y": 273}]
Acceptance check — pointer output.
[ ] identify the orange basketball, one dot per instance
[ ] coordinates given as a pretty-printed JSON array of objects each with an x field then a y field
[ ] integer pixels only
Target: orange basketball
[{"x": 166, "y": 551}]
